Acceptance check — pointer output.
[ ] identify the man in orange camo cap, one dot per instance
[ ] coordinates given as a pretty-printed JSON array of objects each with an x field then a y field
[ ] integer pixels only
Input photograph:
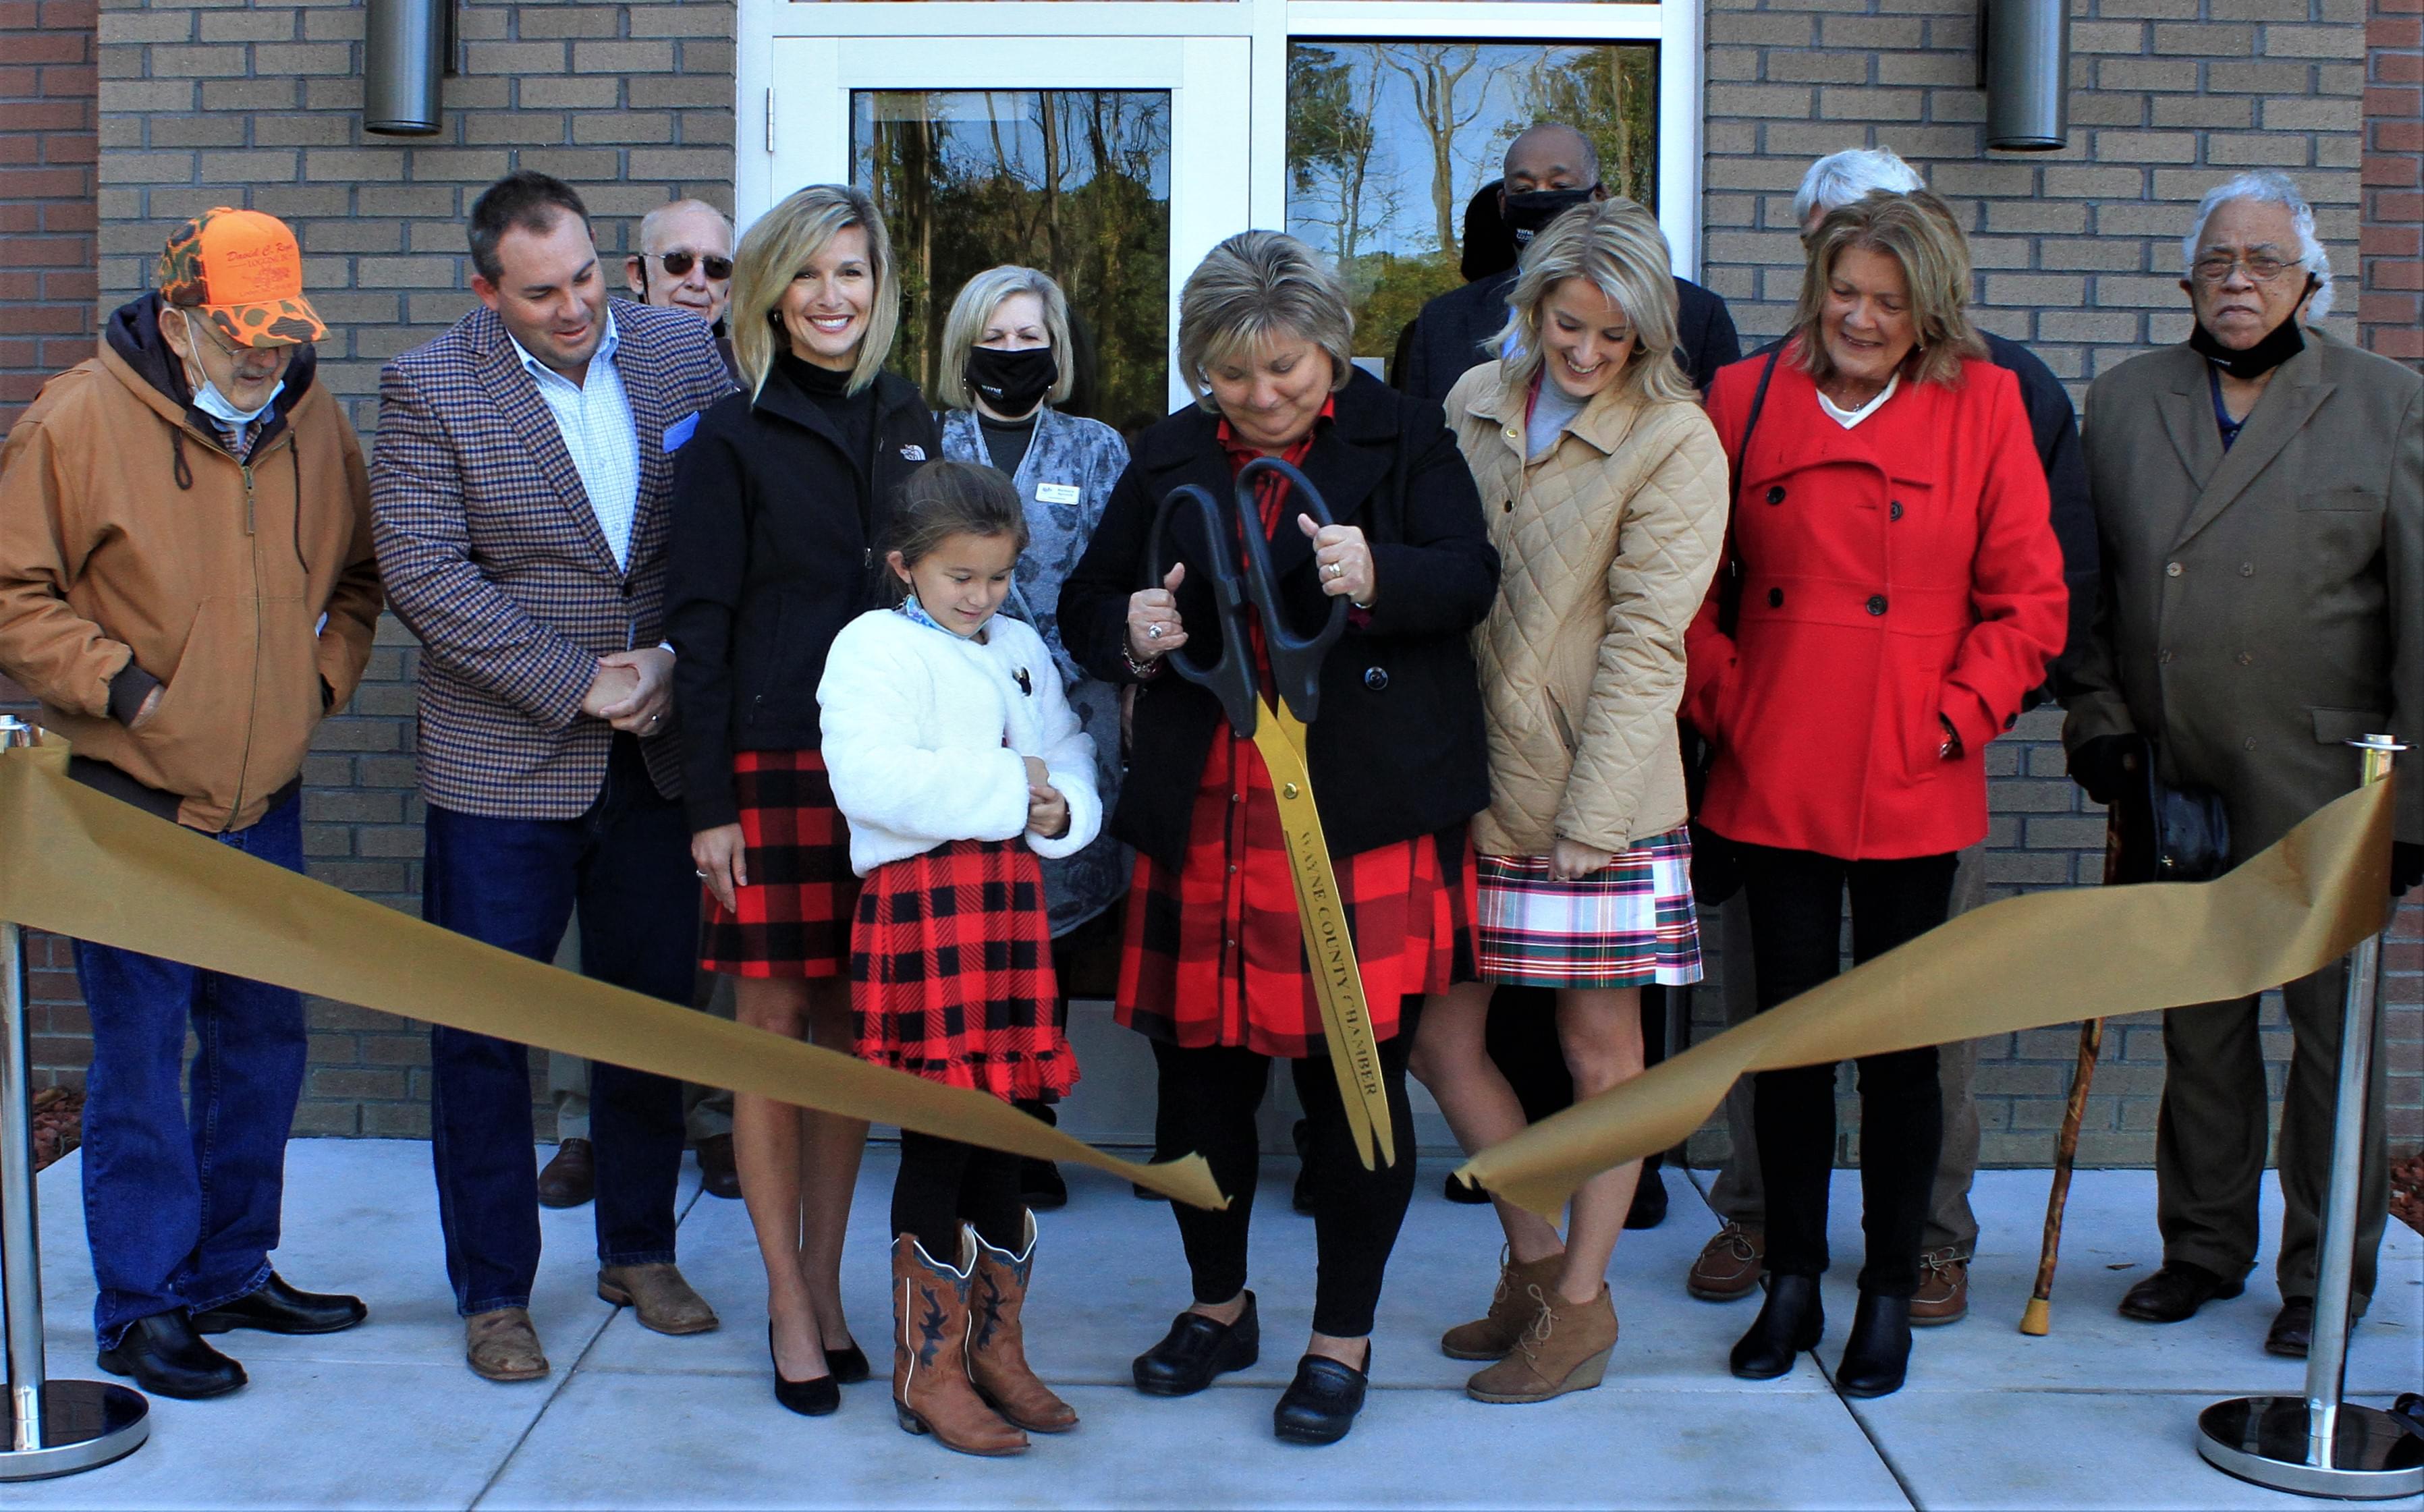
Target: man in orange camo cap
[{"x": 188, "y": 585}]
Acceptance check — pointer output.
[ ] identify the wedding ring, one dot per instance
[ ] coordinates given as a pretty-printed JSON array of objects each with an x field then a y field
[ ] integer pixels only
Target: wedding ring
[
  {"x": 1336, "y": 569},
  {"x": 700, "y": 875},
  {"x": 1152, "y": 632}
]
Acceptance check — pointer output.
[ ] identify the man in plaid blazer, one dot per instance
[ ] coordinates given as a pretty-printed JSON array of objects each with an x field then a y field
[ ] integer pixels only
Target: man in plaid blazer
[{"x": 520, "y": 487}]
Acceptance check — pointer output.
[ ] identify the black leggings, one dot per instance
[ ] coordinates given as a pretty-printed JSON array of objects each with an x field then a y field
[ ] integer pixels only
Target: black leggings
[
  {"x": 944, "y": 1183},
  {"x": 1796, "y": 915},
  {"x": 1208, "y": 1100}
]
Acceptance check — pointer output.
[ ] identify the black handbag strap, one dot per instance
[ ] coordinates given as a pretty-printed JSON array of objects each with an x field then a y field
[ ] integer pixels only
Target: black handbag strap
[{"x": 1729, "y": 589}]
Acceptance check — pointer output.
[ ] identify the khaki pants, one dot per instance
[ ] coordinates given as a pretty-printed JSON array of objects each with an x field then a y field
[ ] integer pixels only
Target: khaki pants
[
  {"x": 1738, "y": 1194},
  {"x": 707, "y": 1111},
  {"x": 2210, "y": 1137}
]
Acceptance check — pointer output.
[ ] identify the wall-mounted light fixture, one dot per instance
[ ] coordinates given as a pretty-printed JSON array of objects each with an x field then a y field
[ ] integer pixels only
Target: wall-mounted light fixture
[
  {"x": 405, "y": 51},
  {"x": 2027, "y": 67}
]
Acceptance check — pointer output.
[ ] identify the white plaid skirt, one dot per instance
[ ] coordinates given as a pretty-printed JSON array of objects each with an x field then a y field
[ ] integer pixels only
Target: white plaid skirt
[{"x": 1629, "y": 923}]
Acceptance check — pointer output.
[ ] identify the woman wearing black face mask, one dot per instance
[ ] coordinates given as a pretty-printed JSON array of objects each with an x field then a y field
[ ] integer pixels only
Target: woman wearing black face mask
[{"x": 1011, "y": 325}]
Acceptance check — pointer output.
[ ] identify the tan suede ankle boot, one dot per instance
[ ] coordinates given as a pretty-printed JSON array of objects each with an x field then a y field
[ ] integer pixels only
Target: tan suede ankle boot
[
  {"x": 1566, "y": 1349},
  {"x": 1511, "y": 1309},
  {"x": 930, "y": 1390},
  {"x": 997, "y": 1341}
]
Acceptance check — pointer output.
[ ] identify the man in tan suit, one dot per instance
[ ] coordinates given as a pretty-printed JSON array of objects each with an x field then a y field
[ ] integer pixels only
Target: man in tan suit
[{"x": 2260, "y": 494}]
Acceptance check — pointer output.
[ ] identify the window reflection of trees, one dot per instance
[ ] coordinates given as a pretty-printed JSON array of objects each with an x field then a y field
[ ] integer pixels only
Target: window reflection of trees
[
  {"x": 1075, "y": 182},
  {"x": 1387, "y": 141}
]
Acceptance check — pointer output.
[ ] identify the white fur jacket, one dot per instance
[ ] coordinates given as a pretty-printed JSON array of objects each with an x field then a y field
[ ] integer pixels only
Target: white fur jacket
[{"x": 915, "y": 721}]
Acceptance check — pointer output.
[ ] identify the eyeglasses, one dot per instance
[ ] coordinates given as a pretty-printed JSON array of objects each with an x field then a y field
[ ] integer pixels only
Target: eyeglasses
[
  {"x": 2261, "y": 267},
  {"x": 678, "y": 263}
]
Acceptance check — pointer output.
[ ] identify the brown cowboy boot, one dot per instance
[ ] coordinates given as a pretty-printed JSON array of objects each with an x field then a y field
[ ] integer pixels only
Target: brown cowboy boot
[
  {"x": 1511, "y": 1309},
  {"x": 930, "y": 1390},
  {"x": 997, "y": 1343}
]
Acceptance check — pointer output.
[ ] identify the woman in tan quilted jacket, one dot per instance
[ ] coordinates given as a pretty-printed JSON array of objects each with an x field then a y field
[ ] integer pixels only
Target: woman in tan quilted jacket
[{"x": 1605, "y": 488}]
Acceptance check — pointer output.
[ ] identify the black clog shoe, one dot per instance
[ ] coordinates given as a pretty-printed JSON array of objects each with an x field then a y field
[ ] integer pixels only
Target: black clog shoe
[
  {"x": 1198, "y": 1349},
  {"x": 1319, "y": 1406}
]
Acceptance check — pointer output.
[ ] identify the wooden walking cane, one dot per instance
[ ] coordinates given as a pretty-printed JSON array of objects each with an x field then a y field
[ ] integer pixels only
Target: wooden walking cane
[{"x": 2037, "y": 1319}]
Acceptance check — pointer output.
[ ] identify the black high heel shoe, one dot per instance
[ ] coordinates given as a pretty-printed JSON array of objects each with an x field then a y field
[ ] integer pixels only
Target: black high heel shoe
[
  {"x": 848, "y": 1364},
  {"x": 1790, "y": 1321},
  {"x": 812, "y": 1398},
  {"x": 1877, "y": 1354}
]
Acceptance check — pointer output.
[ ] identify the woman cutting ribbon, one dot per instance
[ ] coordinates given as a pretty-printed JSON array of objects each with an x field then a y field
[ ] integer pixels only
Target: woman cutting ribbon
[{"x": 1214, "y": 969}]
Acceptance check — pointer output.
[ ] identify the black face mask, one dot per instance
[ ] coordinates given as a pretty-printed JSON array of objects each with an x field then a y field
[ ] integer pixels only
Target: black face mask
[
  {"x": 1013, "y": 382},
  {"x": 2280, "y": 343},
  {"x": 1528, "y": 215}
]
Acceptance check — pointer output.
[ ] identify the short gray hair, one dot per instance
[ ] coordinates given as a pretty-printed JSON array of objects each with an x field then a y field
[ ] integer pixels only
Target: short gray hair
[
  {"x": 978, "y": 299},
  {"x": 1254, "y": 285},
  {"x": 2267, "y": 187},
  {"x": 654, "y": 221},
  {"x": 1840, "y": 178}
]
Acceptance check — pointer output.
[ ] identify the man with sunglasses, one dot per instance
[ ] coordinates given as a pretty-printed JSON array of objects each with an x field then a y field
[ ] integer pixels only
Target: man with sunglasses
[
  {"x": 2260, "y": 493},
  {"x": 188, "y": 585},
  {"x": 685, "y": 262}
]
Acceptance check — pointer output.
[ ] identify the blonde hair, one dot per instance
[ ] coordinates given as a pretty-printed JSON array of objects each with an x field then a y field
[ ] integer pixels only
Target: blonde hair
[
  {"x": 1616, "y": 246},
  {"x": 1918, "y": 231},
  {"x": 777, "y": 247},
  {"x": 979, "y": 299},
  {"x": 1254, "y": 285}
]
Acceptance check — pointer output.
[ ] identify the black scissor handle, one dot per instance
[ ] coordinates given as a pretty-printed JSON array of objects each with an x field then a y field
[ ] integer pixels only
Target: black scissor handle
[
  {"x": 1296, "y": 659},
  {"x": 1231, "y": 678}
]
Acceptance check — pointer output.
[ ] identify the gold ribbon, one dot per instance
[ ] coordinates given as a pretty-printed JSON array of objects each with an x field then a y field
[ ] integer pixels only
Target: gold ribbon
[
  {"x": 2022, "y": 963},
  {"x": 77, "y": 862}
]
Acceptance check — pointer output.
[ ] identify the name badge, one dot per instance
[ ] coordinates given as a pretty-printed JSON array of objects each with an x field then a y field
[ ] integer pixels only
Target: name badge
[{"x": 1058, "y": 493}]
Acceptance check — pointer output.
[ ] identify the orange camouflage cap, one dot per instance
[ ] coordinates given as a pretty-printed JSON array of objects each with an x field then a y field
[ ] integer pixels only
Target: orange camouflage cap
[{"x": 244, "y": 272}]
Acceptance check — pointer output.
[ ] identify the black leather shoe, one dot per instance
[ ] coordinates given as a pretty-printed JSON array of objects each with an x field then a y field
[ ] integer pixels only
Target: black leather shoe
[
  {"x": 1648, "y": 1208},
  {"x": 719, "y": 1171},
  {"x": 1198, "y": 1349},
  {"x": 2174, "y": 1292},
  {"x": 848, "y": 1364},
  {"x": 277, "y": 1308},
  {"x": 1042, "y": 1185},
  {"x": 2292, "y": 1330},
  {"x": 1456, "y": 1191},
  {"x": 166, "y": 1358},
  {"x": 818, "y": 1396},
  {"x": 1319, "y": 1406},
  {"x": 1790, "y": 1321},
  {"x": 1877, "y": 1354}
]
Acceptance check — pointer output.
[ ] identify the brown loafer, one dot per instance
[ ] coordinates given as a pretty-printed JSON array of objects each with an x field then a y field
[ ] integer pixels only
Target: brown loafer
[
  {"x": 657, "y": 1296},
  {"x": 1943, "y": 1294},
  {"x": 571, "y": 1178},
  {"x": 717, "y": 1172},
  {"x": 1729, "y": 1265},
  {"x": 503, "y": 1346}
]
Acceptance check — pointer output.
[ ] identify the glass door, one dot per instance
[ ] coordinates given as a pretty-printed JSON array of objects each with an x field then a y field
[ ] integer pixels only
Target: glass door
[{"x": 1103, "y": 161}]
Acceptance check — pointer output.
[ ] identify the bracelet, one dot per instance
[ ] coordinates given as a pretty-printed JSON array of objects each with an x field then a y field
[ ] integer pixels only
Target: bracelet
[{"x": 1141, "y": 671}]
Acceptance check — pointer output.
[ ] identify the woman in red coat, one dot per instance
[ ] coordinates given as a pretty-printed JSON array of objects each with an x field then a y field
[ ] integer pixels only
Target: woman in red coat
[{"x": 1891, "y": 592}]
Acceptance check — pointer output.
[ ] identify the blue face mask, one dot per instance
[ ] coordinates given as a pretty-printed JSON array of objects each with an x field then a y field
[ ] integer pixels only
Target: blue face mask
[{"x": 221, "y": 409}]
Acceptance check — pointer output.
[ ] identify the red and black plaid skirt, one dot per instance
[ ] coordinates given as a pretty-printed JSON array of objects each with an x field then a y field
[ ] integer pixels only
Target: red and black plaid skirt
[
  {"x": 793, "y": 918},
  {"x": 1214, "y": 953},
  {"x": 950, "y": 975}
]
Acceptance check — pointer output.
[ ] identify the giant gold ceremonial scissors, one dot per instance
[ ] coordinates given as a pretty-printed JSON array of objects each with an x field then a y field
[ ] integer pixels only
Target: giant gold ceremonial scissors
[{"x": 1276, "y": 725}]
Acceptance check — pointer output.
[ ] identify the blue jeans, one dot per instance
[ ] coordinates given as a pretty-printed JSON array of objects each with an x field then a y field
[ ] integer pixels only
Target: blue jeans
[
  {"x": 180, "y": 1197},
  {"x": 514, "y": 883}
]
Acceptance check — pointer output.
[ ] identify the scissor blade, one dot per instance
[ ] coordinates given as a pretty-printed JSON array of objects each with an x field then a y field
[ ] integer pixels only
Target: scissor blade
[{"x": 1321, "y": 915}]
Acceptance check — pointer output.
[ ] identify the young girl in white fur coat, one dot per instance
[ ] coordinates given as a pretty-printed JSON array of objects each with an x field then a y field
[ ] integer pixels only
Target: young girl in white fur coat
[{"x": 958, "y": 762}]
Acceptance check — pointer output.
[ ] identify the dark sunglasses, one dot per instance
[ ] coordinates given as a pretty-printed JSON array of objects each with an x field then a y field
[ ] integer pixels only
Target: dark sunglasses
[{"x": 678, "y": 264}]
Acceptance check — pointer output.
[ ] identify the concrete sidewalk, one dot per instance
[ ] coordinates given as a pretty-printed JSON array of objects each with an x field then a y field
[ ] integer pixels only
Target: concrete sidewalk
[{"x": 2101, "y": 1414}]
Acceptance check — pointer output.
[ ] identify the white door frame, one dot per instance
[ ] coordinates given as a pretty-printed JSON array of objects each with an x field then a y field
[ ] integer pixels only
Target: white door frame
[{"x": 1093, "y": 35}]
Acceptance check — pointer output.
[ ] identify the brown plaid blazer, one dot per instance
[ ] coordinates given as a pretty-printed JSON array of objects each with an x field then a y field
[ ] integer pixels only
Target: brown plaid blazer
[{"x": 493, "y": 557}]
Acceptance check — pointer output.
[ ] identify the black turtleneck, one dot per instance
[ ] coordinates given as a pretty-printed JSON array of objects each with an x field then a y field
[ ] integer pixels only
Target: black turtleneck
[
  {"x": 853, "y": 414},
  {"x": 1006, "y": 440}
]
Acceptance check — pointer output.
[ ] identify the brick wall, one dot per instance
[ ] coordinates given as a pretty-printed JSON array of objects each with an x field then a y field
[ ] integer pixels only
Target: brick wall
[
  {"x": 2078, "y": 255},
  {"x": 259, "y": 105},
  {"x": 46, "y": 192},
  {"x": 2391, "y": 313}
]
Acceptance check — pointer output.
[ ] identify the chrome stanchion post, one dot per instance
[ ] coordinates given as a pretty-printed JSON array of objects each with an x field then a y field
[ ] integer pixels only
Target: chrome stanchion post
[
  {"x": 54, "y": 1428},
  {"x": 2317, "y": 1445}
]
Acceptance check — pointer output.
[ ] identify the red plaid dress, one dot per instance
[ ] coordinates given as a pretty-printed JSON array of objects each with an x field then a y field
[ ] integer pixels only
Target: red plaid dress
[
  {"x": 793, "y": 918},
  {"x": 1214, "y": 954},
  {"x": 950, "y": 972}
]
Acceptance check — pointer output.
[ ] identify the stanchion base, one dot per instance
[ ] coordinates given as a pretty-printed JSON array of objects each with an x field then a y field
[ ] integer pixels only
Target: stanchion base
[
  {"x": 2263, "y": 1439},
  {"x": 85, "y": 1424}
]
